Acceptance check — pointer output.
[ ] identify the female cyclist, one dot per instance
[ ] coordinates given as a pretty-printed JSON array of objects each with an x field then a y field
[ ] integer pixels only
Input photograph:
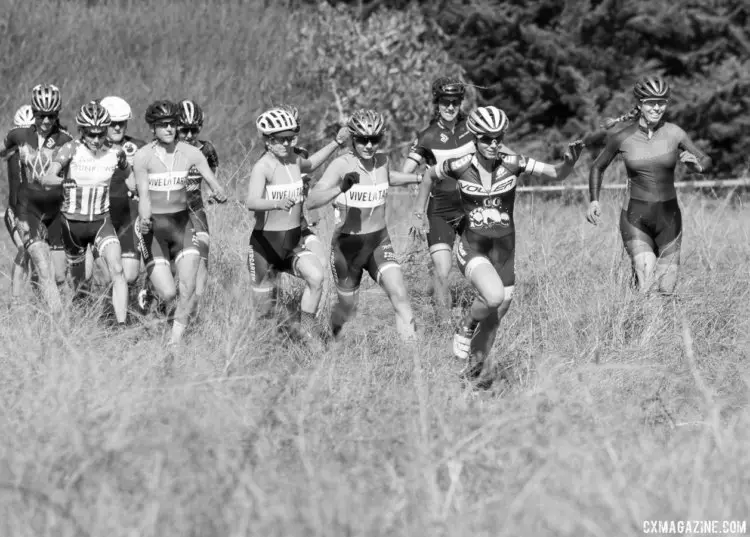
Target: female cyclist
[
  {"x": 88, "y": 165},
  {"x": 39, "y": 220},
  {"x": 358, "y": 184},
  {"x": 445, "y": 137},
  {"x": 486, "y": 183},
  {"x": 165, "y": 229},
  {"x": 191, "y": 123},
  {"x": 24, "y": 118},
  {"x": 123, "y": 201},
  {"x": 275, "y": 194},
  {"x": 650, "y": 221}
]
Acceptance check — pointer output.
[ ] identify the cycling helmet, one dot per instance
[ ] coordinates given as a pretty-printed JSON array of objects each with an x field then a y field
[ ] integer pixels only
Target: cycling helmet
[
  {"x": 24, "y": 116},
  {"x": 191, "y": 115},
  {"x": 651, "y": 87},
  {"x": 46, "y": 98},
  {"x": 93, "y": 116},
  {"x": 487, "y": 120},
  {"x": 366, "y": 123},
  {"x": 276, "y": 120},
  {"x": 292, "y": 110},
  {"x": 160, "y": 111},
  {"x": 447, "y": 87},
  {"x": 118, "y": 109}
]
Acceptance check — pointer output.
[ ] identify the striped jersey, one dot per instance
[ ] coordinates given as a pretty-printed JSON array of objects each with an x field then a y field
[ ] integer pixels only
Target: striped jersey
[
  {"x": 88, "y": 198},
  {"x": 167, "y": 174},
  {"x": 361, "y": 209}
]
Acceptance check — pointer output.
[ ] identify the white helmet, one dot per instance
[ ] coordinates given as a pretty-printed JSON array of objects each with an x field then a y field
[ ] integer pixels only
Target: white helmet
[
  {"x": 24, "y": 116},
  {"x": 276, "y": 120},
  {"x": 118, "y": 109},
  {"x": 487, "y": 120}
]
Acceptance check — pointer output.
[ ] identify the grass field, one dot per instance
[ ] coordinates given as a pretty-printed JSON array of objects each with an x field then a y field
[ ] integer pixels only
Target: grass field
[{"x": 610, "y": 408}]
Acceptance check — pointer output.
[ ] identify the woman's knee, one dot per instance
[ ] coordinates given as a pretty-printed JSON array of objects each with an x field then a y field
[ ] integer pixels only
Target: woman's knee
[{"x": 494, "y": 298}]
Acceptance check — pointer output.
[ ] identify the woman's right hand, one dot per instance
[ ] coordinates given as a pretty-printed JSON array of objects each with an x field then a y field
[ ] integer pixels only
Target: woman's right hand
[
  {"x": 594, "y": 215},
  {"x": 284, "y": 204},
  {"x": 420, "y": 226}
]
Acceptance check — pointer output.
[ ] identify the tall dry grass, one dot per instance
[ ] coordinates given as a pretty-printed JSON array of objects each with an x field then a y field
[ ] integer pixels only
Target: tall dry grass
[{"x": 609, "y": 408}]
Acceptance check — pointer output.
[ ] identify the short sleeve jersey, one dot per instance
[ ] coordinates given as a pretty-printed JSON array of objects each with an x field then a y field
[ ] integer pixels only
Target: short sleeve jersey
[
  {"x": 34, "y": 157},
  {"x": 650, "y": 162},
  {"x": 167, "y": 174},
  {"x": 488, "y": 209},
  {"x": 436, "y": 144},
  {"x": 92, "y": 171},
  {"x": 195, "y": 179},
  {"x": 119, "y": 188}
]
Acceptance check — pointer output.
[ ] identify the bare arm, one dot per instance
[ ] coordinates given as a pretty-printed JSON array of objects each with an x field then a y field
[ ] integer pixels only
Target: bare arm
[
  {"x": 203, "y": 167},
  {"x": 319, "y": 157},
  {"x": 140, "y": 173},
  {"x": 400, "y": 178},
  {"x": 327, "y": 188},
  {"x": 561, "y": 170}
]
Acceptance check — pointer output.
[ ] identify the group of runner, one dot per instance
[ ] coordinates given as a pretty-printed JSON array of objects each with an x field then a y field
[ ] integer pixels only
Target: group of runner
[
  {"x": 466, "y": 177},
  {"x": 131, "y": 204}
]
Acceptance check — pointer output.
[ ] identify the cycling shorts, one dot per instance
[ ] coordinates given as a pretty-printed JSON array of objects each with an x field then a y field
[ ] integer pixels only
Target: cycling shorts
[
  {"x": 351, "y": 255},
  {"x": 200, "y": 224},
  {"x": 123, "y": 212},
  {"x": 170, "y": 239},
  {"x": 77, "y": 235},
  {"x": 11, "y": 223},
  {"x": 272, "y": 252},
  {"x": 443, "y": 231},
  {"x": 648, "y": 226},
  {"x": 45, "y": 225},
  {"x": 500, "y": 252}
]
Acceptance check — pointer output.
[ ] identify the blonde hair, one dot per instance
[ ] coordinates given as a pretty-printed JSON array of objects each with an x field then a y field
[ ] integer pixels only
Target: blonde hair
[{"x": 632, "y": 115}]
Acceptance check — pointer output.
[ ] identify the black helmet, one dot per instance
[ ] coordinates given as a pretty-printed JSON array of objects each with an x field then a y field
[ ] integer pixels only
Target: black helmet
[
  {"x": 447, "y": 87},
  {"x": 191, "y": 115},
  {"x": 161, "y": 110}
]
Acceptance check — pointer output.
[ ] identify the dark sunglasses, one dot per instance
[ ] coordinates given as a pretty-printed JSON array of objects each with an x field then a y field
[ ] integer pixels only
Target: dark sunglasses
[
  {"x": 489, "y": 139},
  {"x": 165, "y": 124},
  {"x": 42, "y": 115},
  {"x": 450, "y": 102},
  {"x": 364, "y": 140},
  {"x": 120, "y": 124},
  {"x": 284, "y": 139},
  {"x": 188, "y": 130},
  {"x": 94, "y": 135}
]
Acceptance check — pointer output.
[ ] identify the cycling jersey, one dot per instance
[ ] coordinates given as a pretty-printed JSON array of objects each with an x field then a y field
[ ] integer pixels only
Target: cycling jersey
[
  {"x": 283, "y": 182},
  {"x": 92, "y": 171},
  {"x": 649, "y": 162},
  {"x": 434, "y": 145},
  {"x": 123, "y": 209},
  {"x": 195, "y": 179},
  {"x": 37, "y": 205},
  {"x": 488, "y": 209},
  {"x": 167, "y": 174},
  {"x": 361, "y": 209},
  {"x": 118, "y": 189}
]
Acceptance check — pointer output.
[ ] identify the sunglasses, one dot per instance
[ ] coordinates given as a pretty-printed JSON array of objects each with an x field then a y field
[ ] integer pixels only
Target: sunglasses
[
  {"x": 655, "y": 102},
  {"x": 94, "y": 135},
  {"x": 188, "y": 130},
  {"x": 165, "y": 124},
  {"x": 489, "y": 139},
  {"x": 450, "y": 102},
  {"x": 46, "y": 115},
  {"x": 118, "y": 124},
  {"x": 284, "y": 140},
  {"x": 364, "y": 140}
]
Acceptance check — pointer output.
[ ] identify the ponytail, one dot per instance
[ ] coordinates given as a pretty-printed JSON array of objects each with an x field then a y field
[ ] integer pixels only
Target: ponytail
[{"x": 610, "y": 122}]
